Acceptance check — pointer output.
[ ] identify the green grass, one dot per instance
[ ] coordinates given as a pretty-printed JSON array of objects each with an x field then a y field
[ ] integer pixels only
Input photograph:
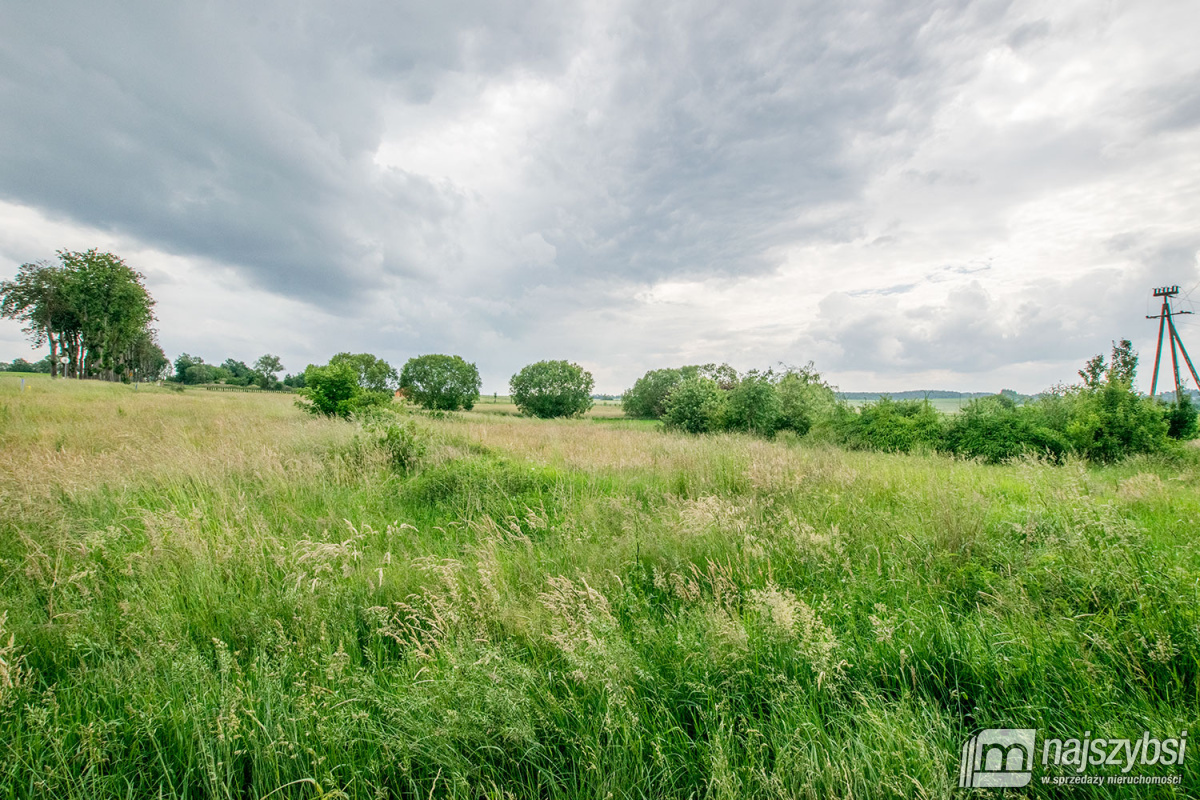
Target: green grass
[{"x": 213, "y": 595}]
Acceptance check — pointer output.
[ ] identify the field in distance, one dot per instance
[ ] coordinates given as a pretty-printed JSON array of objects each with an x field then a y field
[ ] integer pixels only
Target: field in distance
[{"x": 208, "y": 594}]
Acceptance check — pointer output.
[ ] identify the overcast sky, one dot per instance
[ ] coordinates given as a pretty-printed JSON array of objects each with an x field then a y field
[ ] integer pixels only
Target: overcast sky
[{"x": 938, "y": 194}]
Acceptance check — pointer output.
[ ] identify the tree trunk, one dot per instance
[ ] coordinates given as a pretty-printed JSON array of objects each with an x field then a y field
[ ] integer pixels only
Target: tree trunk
[{"x": 53, "y": 355}]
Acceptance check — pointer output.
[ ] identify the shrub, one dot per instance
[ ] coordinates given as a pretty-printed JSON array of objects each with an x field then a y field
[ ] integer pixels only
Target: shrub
[
  {"x": 753, "y": 405},
  {"x": 695, "y": 405},
  {"x": 400, "y": 442},
  {"x": 805, "y": 400},
  {"x": 996, "y": 429},
  {"x": 440, "y": 382},
  {"x": 647, "y": 399},
  {"x": 371, "y": 372},
  {"x": 891, "y": 425},
  {"x": 334, "y": 391},
  {"x": 1111, "y": 421},
  {"x": 1181, "y": 419},
  {"x": 199, "y": 373},
  {"x": 552, "y": 389}
]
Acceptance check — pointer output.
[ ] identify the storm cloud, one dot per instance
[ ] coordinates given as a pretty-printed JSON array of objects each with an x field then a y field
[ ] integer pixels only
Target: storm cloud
[{"x": 974, "y": 194}]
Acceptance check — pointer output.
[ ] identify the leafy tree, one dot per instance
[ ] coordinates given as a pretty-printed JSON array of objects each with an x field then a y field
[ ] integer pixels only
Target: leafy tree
[
  {"x": 1123, "y": 366},
  {"x": 372, "y": 373},
  {"x": 91, "y": 307},
  {"x": 266, "y": 371},
  {"x": 183, "y": 363},
  {"x": 37, "y": 296},
  {"x": 647, "y": 398},
  {"x": 805, "y": 399},
  {"x": 1111, "y": 421},
  {"x": 144, "y": 359},
  {"x": 268, "y": 365},
  {"x": 21, "y": 365},
  {"x": 199, "y": 373},
  {"x": 239, "y": 374},
  {"x": 753, "y": 405},
  {"x": 552, "y": 389},
  {"x": 723, "y": 375},
  {"x": 441, "y": 382},
  {"x": 1093, "y": 371},
  {"x": 1106, "y": 418},
  {"x": 695, "y": 405},
  {"x": 335, "y": 391},
  {"x": 112, "y": 305}
]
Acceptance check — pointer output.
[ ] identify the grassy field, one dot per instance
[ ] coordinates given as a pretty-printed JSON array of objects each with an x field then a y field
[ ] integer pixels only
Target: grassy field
[{"x": 214, "y": 595}]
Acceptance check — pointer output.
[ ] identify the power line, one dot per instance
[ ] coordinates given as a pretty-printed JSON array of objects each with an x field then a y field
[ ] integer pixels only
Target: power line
[{"x": 1166, "y": 328}]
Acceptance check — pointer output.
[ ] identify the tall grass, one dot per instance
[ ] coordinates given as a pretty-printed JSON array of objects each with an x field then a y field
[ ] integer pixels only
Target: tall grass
[{"x": 213, "y": 595}]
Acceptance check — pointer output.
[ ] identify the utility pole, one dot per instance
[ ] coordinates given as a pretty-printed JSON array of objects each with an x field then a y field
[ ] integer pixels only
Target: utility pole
[{"x": 1166, "y": 329}]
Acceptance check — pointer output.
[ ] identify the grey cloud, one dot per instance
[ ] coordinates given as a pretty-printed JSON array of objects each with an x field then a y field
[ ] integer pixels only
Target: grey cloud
[
  {"x": 687, "y": 140},
  {"x": 246, "y": 139}
]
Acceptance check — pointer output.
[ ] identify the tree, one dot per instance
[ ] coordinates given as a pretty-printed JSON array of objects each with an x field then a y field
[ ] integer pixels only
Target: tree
[
  {"x": 91, "y": 307},
  {"x": 695, "y": 405},
  {"x": 265, "y": 371},
  {"x": 552, "y": 389},
  {"x": 335, "y": 391},
  {"x": 239, "y": 373},
  {"x": 372, "y": 373},
  {"x": 268, "y": 365},
  {"x": 1182, "y": 418},
  {"x": 753, "y": 405},
  {"x": 441, "y": 382},
  {"x": 648, "y": 397},
  {"x": 112, "y": 304},
  {"x": 144, "y": 358},
  {"x": 200, "y": 373},
  {"x": 183, "y": 363},
  {"x": 805, "y": 399},
  {"x": 37, "y": 297},
  {"x": 1105, "y": 418}
]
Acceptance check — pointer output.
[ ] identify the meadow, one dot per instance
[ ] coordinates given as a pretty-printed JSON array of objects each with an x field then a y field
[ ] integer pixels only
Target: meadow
[{"x": 210, "y": 594}]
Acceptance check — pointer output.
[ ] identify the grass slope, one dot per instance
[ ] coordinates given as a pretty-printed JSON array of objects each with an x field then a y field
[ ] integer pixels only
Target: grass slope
[{"x": 211, "y": 595}]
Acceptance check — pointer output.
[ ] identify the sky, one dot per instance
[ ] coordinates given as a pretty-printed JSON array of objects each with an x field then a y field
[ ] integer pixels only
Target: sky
[{"x": 939, "y": 195}]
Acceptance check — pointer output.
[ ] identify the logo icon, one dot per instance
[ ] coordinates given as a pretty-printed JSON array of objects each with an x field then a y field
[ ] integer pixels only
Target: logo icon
[{"x": 997, "y": 757}]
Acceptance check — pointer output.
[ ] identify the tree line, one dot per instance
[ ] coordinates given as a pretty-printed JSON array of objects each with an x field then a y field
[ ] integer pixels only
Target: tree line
[
  {"x": 92, "y": 310},
  {"x": 352, "y": 383},
  {"x": 1101, "y": 418}
]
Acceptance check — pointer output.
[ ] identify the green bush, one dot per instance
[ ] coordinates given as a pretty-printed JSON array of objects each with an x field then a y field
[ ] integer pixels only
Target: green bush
[
  {"x": 647, "y": 399},
  {"x": 400, "y": 441},
  {"x": 1111, "y": 421},
  {"x": 552, "y": 389},
  {"x": 891, "y": 425},
  {"x": 805, "y": 400},
  {"x": 371, "y": 372},
  {"x": 1181, "y": 419},
  {"x": 996, "y": 429},
  {"x": 199, "y": 373},
  {"x": 753, "y": 405},
  {"x": 440, "y": 382},
  {"x": 695, "y": 405},
  {"x": 334, "y": 391}
]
